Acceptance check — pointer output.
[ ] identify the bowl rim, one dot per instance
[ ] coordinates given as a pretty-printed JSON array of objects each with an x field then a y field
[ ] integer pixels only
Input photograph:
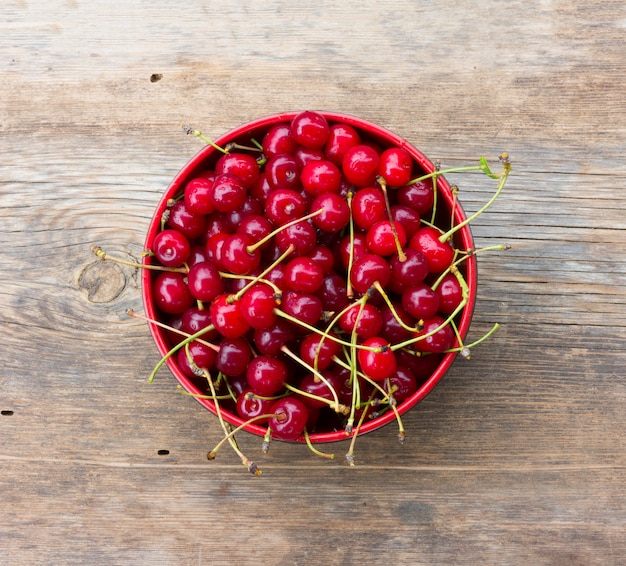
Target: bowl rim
[{"x": 376, "y": 132}]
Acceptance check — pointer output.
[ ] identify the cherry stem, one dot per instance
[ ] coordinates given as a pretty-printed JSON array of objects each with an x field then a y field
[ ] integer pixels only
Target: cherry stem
[
  {"x": 213, "y": 453},
  {"x": 315, "y": 450},
  {"x": 504, "y": 158},
  {"x": 252, "y": 467},
  {"x": 349, "y": 290},
  {"x": 436, "y": 173},
  {"x": 101, "y": 254},
  {"x": 183, "y": 391},
  {"x": 355, "y": 434},
  {"x": 393, "y": 311},
  {"x": 132, "y": 313},
  {"x": 383, "y": 186},
  {"x": 335, "y": 402},
  {"x": 189, "y": 130},
  {"x": 487, "y": 335},
  {"x": 253, "y": 247},
  {"x": 261, "y": 277}
]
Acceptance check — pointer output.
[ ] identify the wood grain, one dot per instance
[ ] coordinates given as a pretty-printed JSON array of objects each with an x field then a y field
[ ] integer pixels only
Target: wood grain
[{"x": 518, "y": 455}]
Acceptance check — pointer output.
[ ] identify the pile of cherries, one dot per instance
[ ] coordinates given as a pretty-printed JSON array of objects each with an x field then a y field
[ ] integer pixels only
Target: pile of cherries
[{"x": 302, "y": 279}]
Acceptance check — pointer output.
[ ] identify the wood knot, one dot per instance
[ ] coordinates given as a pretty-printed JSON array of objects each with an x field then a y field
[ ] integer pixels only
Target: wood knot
[{"x": 102, "y": 281}]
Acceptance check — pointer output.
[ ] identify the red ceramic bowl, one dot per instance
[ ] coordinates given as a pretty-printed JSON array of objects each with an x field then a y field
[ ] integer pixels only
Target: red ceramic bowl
[{"x": 207, "y": 157}]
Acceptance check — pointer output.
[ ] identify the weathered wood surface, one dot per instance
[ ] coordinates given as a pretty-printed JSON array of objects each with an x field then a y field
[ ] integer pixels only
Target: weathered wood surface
[{"x": 517, "y": 457}]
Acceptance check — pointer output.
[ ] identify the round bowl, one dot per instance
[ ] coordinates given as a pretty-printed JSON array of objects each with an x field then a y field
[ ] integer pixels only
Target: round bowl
[{"x": 447, "y": 204}]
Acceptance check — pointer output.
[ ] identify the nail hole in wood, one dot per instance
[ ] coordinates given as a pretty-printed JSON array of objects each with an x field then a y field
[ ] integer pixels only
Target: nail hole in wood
[
  {"x": 163, "y": 452},
  {"x": 155, "y": 77},
  {"x": 6, "y": 413}
]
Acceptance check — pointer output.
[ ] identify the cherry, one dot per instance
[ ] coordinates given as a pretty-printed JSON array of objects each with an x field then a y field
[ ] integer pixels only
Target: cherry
[
  {"x": 341, "y": 137},
  {"x": 250, "y": 207},
  {"x": 310, "y": 129},
  {"x": 323, "y": 257},
  {"x": 284, "y": 205},
  {"x": 401, "y": 384},
  {"x": 314, "y": 386},
  {"x": 228, "y": 193},
  {"x": 320, "y": 176},
  {"x": 303, "y": 274},
  {"x": 197, "y": 254},
  {"x": 439, "y": 255},
  {"x": 301, "y": 236},
  {"x": 195, "y": 319},
  {"x": 205, "y": 282},
  {"x": 305, "y": 155},
  {"x": 214, "y": 248},
  {"x": 236, "y": 255},
  {"x": 269, "y": 340},
  {"x": 421, "y": 366},
  {"x": 202, "y": 356},
  {"x": 369, "y": 324},
  {"x": 395, "y": 166},
  {"x": 438, "y": 342},
  {"x": 418, "y": 196},
  {"x": 257, "y": 306},
  {"x": 278, "y": 140},
  {"x": 406, "y": 216},
  {"x": 233, "y": 356},
  {"x": 266, "y": 375},
  {"x": 283, "y": 172},
  {"x": 261, "y": 188},
  {"x": 333, "y": 292},
  {"x": 241, "y": 165},
  {"x": 420, "y": 301},
  {"x": 358, "y": 245},
  {"x": 377, "y": 365},
  {"x": 335, "y": 215},
  {"x": 318, "y": 351},
  {"x": 227, "y": 318},
  {"x": 171, "y": 293},
  {"x": 450, "y": 294},
  {"x": 290, "y": 420},
  {"x": 368, "y": 207},
  {"x": 412, "y": 270},
  {"x": 360, "y": 165},
  {"x": 197, "y": 195},
  {"x": 381, "y": 237},
  {"x": 249, "y": 406},
  {"x": 392, "y": 330},
  {"x": 304, "y": 307},
  {"x": 255, "y": 227},
  {"x": 216, "y": 223},
  {"x": 189, "y": 223},
  {"x": 171, "y": 248},
  {"x": 369, "y": 269}
]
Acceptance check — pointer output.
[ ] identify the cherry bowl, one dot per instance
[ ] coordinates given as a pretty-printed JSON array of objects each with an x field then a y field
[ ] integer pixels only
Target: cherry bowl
[{"x": 430, "y": 369}]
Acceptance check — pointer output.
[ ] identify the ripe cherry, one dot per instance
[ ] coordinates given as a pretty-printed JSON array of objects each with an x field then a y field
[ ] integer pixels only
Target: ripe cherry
[
  {"x": 401, "y": 384},
  {"x": 205, "y": 281},
  {"x": 278, "y": 140},
  {"x": 335, "y": 215},
  {"x": 304, "y": 307},
  {"x": 360, "y": 165},
  {"x": 233, "y": 357},
  {"x": 369, "y": 323},
  {"x": 310, "y": 129},
  {"x": 202, "y": 356},
  {"x": 318, "y": 351},
  {"x": 237, "y": 256},
  {"x": 377, "y": 365},
  {"x": 369, "y": 269},
  {"x": 266, "y": 375},
  {"x": 197, "y": 195},
  {"x": 439, "y": 255},
  {"x": 340, "y": 139},
  {"x": 171, "y": 248},
  {"x": 368, "y": 207},
  {"x": 420, "y": 301},
  {"x": 320, "y": 176},
  {"x": 381, "y": 237},
  {"x": 395, "y": 166},
  {"x": 257, "y": 306},
  {"x": 418, "y": 196},
  {"x": 189, "y": 223},
  {"x": 228, "y": 193},
  {"x": 303, "y": 274},
  {"x": 284, "y": 205},
  {"x": 249, "y": 406},
  {"x": 242, "y": 165},
  {"x": 171, "y": 293},
  {"x": 227, "y": 318},
  {"x": 450, "y": 294},
  {"x": 441, "y": 339},
  {"x": 283, "y": 172},
  {"x": 290, "y": 420}
]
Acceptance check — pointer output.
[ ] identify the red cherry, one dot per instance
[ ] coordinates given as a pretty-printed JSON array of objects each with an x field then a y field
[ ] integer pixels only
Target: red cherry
[
  {"x": 249, "y": 406},
  {"x": 418, "y": 196},
  {"x": 202, "y": 356},
  {"x": 395, "y": 166},
  {"x": 333, "y": 292},
  {"x": 377, "y": 365},
  {"x": 381, "y": 240},
  {"x": 284, "y": 205},
  {"x": 438, "y": 342},
  {"x": 290, "y": 420},
  {"x": 310, "y": 129},
  {"x": 283, "y": 172},
  {"x": 323, "y": 257},
  {"x": 304, "y": 307},
  {"x": 271, "y": 339},
  {"x": 303, "y": 274},
  {"x": 257, "y": 306},
  {"x": 401, "y": 384},
  {"x": 228, "y": 193},
  {"x": 233, "y": 356},
  {"x": 227, "y": 318},
  {"x": 368, "y": 207},
  {"x": 420, "y": 301},
  {"x": 278, "y": 140},
  {"x": 360, "y": 165},
  {"x": 205, "y": 281},
  {"x": 301, "y": 236},
  {"x": 412, "y": 270},
  {"x": 171, "y": 248},
  {"x": 336, "y": 213},
  {"x": 189, "y": 223},
  {"x": 406, "y": 216},
  {"x": 438, "y": 254},
  {"x": 242, "y": 165},
  {"x": 370, "y": 321},
  {"x": 318, "y": 351},
  {"x": 236, "y": 255},
  {"x": 171, "y": 293},
  {"x": 197, "y": 195},
  {"x": 315, "y": 386},
  {"x": 320, "y": 176},
  {"x": 340, "y": 139},
  {"x": 266, "y": 375},
  {"x": 450, "y": 294},
  {"x": 369, "y": 269}
]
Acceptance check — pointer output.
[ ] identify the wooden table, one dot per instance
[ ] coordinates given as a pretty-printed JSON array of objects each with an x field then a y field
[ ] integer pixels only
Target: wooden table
[{"x": 517, "y": 457}]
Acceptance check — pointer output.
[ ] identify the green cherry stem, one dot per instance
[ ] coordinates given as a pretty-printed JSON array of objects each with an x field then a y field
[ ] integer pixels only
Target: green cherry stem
[
  {"x": 101, "y": 254},
  {"x": 189, "y": 130},
  {"x": 315, "y": 450},
  {"x": 213, "y": 453}
]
